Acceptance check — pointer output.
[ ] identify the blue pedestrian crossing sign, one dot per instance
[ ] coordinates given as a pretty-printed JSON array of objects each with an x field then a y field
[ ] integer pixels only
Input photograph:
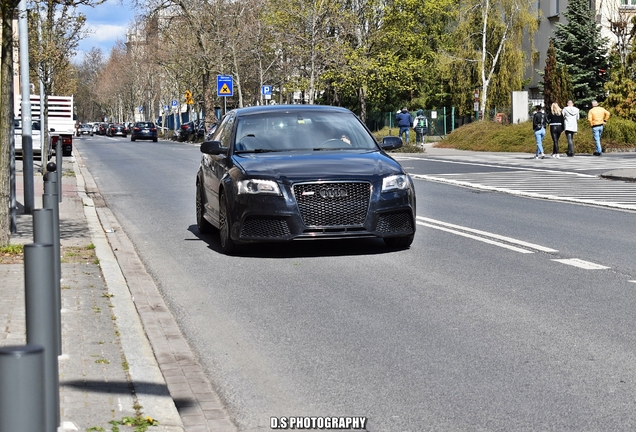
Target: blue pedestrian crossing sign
[{"x": 224, "y": 86}]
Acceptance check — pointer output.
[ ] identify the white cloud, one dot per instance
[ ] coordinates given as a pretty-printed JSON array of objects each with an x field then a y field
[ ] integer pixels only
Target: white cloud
[{"x": 107, "y": 32}]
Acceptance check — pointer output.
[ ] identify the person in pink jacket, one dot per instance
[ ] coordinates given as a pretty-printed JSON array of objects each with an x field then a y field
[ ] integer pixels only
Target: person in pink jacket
[{"x": 597, "y": 117}]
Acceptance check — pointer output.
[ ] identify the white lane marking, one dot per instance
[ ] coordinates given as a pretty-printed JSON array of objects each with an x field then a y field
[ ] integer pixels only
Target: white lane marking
[
  {"x": 492, "y": 235},
  {"x": 481, "y": 239},
  {"x": 581, "y": 264},
  {"x": 503, "y": 167}
]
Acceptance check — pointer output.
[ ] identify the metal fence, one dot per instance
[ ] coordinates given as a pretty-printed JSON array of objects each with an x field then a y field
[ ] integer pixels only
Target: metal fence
[{"x": 441, "y": 122}]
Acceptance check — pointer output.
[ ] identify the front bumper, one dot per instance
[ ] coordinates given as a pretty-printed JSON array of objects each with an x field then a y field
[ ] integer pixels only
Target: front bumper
[{"x": 258, "y": 218}]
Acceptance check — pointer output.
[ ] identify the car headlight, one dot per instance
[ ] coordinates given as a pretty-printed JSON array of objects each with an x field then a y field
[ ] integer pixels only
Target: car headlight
[
  {"x": 254, "y": 187},
  {"x": 395, "y": 182}
]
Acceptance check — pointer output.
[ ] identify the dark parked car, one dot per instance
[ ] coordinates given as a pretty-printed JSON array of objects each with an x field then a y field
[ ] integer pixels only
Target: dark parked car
[
  {"x": 187, "y": 131},
  {"x": 116, "y": 129},
  {"x": 280, "y": 173},
  {"x": 144, "y": 130}
]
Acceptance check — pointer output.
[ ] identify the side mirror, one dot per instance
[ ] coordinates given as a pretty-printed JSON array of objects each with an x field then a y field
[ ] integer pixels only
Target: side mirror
[
  {"x": 213, "y": 148},
  {"x": 51, "y": 130},
  {"x": 391, "y": 143}
]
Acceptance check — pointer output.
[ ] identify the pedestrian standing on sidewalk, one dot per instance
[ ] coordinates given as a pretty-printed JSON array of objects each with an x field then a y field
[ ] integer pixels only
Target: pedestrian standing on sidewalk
[
  {"x": 405, "y": 122},
  {"x": 570, "y": 125},
  {"x": 538, "y": 125},
  {"x": 555, "y": 119},
  {"x": 597, "y": 117},
  {"x": 420, "y": 125}
]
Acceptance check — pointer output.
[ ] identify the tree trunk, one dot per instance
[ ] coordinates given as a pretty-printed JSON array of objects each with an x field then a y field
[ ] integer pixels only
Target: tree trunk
[
  {"x": 362, "y": 97},
  {"x": 6, "y": 119}
]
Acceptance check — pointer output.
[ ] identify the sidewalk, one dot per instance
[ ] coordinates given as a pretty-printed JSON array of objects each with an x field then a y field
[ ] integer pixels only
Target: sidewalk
[
  {"x": 122, "y": 352},
  {"x": 627, "y": 174}
]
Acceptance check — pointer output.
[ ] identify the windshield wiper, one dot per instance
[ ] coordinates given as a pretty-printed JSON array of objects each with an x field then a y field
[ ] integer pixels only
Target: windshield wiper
[{"x": 258, "y": 150}]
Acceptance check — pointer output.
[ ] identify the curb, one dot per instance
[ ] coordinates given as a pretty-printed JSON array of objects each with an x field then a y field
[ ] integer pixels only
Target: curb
[
  {"x": 144, "y": 370},
  {"x": 163, "y": 368}
]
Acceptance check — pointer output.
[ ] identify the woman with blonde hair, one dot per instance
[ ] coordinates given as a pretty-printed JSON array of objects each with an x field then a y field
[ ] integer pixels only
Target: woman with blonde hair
[{"x": 555, "y": 119}]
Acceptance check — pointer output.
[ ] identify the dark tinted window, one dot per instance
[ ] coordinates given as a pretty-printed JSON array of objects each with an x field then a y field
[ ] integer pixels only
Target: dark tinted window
[{"x": 144, "y": 124}]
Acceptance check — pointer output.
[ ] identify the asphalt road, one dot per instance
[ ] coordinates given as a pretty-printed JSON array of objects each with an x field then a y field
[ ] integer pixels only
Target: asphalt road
[{"x": 463, "y": 331}]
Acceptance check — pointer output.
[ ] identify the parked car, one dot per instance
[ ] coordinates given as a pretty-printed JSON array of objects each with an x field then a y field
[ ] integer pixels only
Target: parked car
[
  {"x": 116, "y": 129},
  {"x": 281, "y": 173},
  {"x": 186, "y": 131},
  {"x": 85, "y": 129},
  {"x": 144, "y": 130}
]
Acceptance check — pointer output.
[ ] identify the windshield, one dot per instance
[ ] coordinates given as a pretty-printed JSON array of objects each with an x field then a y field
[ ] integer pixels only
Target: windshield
[{"x": 301, "y": 130}]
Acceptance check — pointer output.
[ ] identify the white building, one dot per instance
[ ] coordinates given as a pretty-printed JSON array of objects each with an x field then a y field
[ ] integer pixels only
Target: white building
[{"x": 613, "y": 16}]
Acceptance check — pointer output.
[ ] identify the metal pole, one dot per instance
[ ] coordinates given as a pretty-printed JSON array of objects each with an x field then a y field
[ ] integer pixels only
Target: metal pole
[
  {"x": 58, "y": 162},
  {"x": 39, "y": 275},
  {"x": 27, "y": 134},
  {"x": 22, "y": 406},
  {"x": 43, "y": 233},
  {"x": 49, "y": 201},
  {"x": 12, "y": 184}
]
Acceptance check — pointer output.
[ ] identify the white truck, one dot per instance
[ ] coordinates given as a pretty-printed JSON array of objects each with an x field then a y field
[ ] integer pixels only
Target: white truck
[{"x": 61, "y": 123}]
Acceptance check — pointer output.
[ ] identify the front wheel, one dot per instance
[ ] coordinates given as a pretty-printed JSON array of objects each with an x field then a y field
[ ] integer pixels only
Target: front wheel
[
  {"x": 399, "y": 242},
  {"x": 227, "y": 244},
  {"x": 204, "y": 226}
]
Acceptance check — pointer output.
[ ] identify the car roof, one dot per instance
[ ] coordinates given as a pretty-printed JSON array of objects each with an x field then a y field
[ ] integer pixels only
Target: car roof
[{"x": 262, "y": 109}]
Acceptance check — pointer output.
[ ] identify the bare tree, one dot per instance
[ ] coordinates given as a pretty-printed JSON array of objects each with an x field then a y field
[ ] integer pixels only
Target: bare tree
[{"x": 7, "y": 8}]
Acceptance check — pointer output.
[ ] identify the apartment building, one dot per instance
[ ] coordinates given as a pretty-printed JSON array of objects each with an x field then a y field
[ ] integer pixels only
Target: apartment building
[{"x": 612, "y": 15}]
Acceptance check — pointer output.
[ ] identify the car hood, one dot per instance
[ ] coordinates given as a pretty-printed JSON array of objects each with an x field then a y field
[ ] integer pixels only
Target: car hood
[{"x": 293, "y": 167}]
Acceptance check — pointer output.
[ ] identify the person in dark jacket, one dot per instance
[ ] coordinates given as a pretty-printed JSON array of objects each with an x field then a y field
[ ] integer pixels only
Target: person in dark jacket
[
  {"x": 538, "y": 125},
  {"x": 405, "y": 122},
  {"x": 555, "y": 119}
]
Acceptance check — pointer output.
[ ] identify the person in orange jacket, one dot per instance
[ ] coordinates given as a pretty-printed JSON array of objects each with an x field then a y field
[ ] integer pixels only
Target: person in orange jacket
[{"x": 597, "y": 117}]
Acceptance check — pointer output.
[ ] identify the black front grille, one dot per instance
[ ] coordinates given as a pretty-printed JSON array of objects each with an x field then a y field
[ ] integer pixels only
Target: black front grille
[
  {"x": 333, "y": 204},
  {"x": 395, "y": 222},
  {"x": 264, "y": 228}
]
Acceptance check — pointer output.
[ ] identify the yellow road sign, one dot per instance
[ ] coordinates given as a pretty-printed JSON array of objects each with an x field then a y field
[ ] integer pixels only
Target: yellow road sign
[{"x": 225, "y": 90}]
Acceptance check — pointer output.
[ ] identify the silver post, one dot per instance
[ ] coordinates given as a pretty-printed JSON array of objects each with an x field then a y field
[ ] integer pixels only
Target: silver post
[
  {"x": 22, "y": 407},
  {"x": 49, "y": 201},
  {"x": 27, "y": 133},
  {"x": 59, "y": 162},
  {"x": 39, "y": 275},
  {"x": 43, "y": 233}
]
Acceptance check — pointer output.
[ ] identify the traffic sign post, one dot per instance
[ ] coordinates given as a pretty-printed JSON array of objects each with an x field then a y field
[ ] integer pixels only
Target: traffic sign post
[
  {"x": 266, "y": 91},
  {"x": 224, "y": 88},
  {"x": 188, "y": 97}
]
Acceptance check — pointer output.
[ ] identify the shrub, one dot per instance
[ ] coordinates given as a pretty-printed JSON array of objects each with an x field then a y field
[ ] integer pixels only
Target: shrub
[{"x": 618, "y": 135}]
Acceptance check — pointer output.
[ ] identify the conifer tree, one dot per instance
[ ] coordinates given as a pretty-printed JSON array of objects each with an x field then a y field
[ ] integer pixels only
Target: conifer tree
[
  {"x": 550, "y": 84},
  {"x": 557, "y": 84},
  {"x": 580, "y": 47}
]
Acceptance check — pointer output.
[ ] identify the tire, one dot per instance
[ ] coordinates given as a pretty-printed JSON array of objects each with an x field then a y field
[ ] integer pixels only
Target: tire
[
  {"x": 154, "y": 140},
  {"x": 399, "y": 242},
  {"x": 204, "y": 226},
  {"x": 132, "y": 139},
  {"x": 227, "y": 244}
]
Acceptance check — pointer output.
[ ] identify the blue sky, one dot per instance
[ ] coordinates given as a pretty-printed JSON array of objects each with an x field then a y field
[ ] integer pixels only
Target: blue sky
[{"x": 107, "y": 23}]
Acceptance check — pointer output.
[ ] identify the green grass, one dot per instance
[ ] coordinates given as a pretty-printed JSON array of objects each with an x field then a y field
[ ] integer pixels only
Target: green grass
[
  {"x": 12, "y": 249},
  {"x": 619, "y": 135}
]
